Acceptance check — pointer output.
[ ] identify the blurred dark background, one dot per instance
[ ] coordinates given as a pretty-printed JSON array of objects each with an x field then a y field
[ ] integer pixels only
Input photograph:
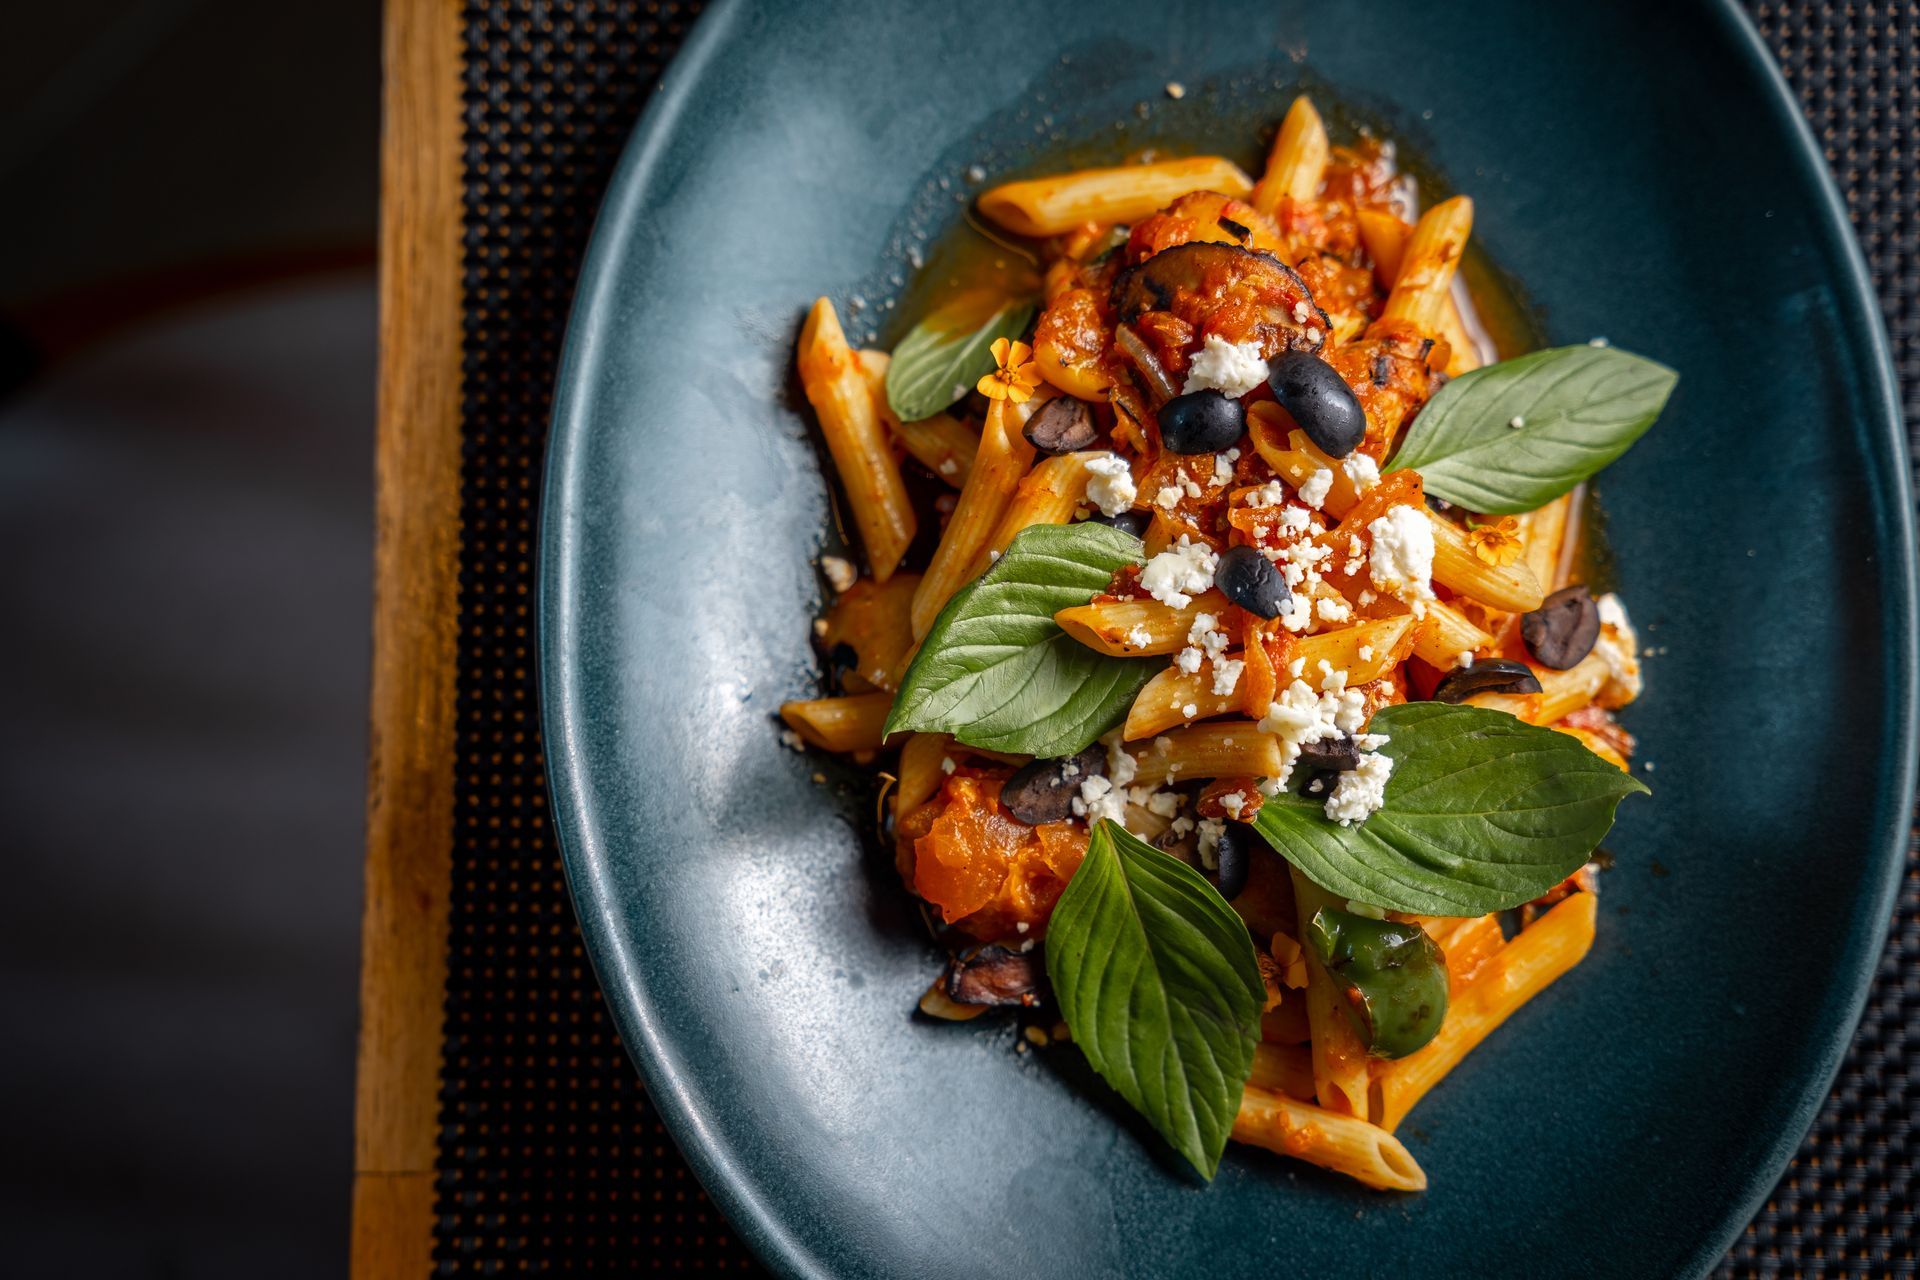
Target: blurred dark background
[{"x": 187, "y": 347}]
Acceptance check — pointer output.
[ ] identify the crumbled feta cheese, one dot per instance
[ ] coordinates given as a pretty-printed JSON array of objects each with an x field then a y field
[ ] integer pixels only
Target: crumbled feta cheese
[
  {"x": 1190, "y": 710},
  {"x": 949, "y": 468},
  {"x": 1231, "y": 368},
  {"x": 1270, "y": 494},
  {"x": 840, "y": 572},
  {"x": 1516, "y": 422},
  {"x": 791, "y": 740},
  {"x": 1226, "y": 676},
  {"x": 1139, "y": 637},
  {"x": 1233, "y": 802},
  {"x": 947, "y": 765},
  {"x": 1121, "y": 766},
  {"x": 1361, "y": 790},
  {"x": 1299, "y": 715},
  {"x": 1332, "y": 609},
  {"x": 1162, "y": 804},
  {"x": 1188, "y": 659},
  {"x": 1168, "y": 497},
  {"x": 1464, "y": 658},
  {"x": 1619, "y": 647},
  {"x": 1180, "y": 826},
  {"x": 1021, "y": 926},
  {"x": 1365, "y": 598},
  {"x": 1110, "y": 484},
  {"x": 1318, "y": 485},
  {"x": 1211, "y": 829},
  {"x": 1099, "y": 799},
  {"x": 1295, "y": 667},
  {"x": 1192, "y": 488},
  {"x": 1302, "y": 312},
  {"x": 1402, "y": 557},
  {"x": 1366, "y": 653},
  {"x": 1179, "y": 573},
  {"x": 1362, "y": 470}
]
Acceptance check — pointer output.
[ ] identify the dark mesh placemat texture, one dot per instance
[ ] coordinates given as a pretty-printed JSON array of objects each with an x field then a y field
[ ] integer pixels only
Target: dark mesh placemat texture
[{"x": 550, "y": 1158}]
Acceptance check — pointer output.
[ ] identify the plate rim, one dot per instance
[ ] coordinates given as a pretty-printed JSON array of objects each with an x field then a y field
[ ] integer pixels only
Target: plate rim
[{"x": 561, "y": 713}]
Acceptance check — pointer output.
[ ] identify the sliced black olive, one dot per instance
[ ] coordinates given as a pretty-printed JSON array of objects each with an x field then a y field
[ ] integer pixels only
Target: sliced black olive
[
  {"x": 1233, "y": 853},
  {"x": 1043, "y": 790},
  {"x": 1562, "y": 630},
  {"x": 1249, "y": 579},
  {"x": 995, "y": 975},
  {"x": 1315, "y": 395},
  {"x": 1338, "y": 754},
  {"x": 1201, "y": 422},
  {"x": 1489, "y": 675},
  {"x": 1062, "y": 425},
  {"x": 1133, "y": 522}
]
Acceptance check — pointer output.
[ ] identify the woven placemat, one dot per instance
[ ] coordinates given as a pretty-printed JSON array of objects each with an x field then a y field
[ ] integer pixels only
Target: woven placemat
[{"x": 550, "y": 1158}]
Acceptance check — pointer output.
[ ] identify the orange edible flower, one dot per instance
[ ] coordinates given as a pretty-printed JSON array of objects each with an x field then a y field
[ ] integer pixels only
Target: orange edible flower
[
  {"x": 1016, "y": 376},
  {"x": 1497, "y": 542}
]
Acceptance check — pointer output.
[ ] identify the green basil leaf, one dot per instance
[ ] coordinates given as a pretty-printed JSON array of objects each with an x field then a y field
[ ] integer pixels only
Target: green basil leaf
[
  {"x": 945, "y": 354},
  {"x": 994, "y": 670},
  {"x": 1579, "y": 409},
  {"x": 1483, "y": 812},
  {"x": 1156, "y": 978}
]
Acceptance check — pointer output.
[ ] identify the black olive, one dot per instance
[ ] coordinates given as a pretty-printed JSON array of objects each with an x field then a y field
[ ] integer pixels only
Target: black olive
[
  {"x": 1201, "y": 422},
  {"x": 1233, "y": 853},
  {"x": 1489, "y": 675},
  {"x": 1043, "y": 790},
  {"x": 1062, "y": 425},
  {"x": 1317, "y": 398},
  {"x": 1338, "y": 754},
  {"x": 1562, "y": 630},
  {"x": 995, "y": 975},
  {"x": 1133, "y": 522},
  {"x": 1249, "y": 580}
]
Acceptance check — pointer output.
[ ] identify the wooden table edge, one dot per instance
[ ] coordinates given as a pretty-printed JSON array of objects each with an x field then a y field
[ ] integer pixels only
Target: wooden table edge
[{"x": 415, "y": 618}]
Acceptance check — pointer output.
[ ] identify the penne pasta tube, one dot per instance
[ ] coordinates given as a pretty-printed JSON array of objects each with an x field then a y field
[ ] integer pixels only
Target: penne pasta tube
[
  {"x": 1225, "y": 749},
  {"x": 1283, "y": 1068},
  {"x": 1049, "y": 494},
  {"x": 873, "y": 619},
  {"x": 1340, "y": 1076},
  {"x": 1546, "y": 535},
  {"x": 1145, "y": 823},
  {"x": 1366, "y": 651},
  {"x": 1137, "y": 628},
  {"x": 1298, "y": 161},
  {"x": 1385, "y": 237},
  {"x": 1596, "y": 744},
  {"x": 1003, "y": 458},
  {"x": 1519, "y": 971},
  {"x": 1561, "y": 692},
  {"x": 837, "y": 389},
  {"x": 1287, "y": 1025},
  {"x": 1369, "y": 1155},
  {"x": 920, "y": 771},
  {"x": 840, "y": 724},
  {"x": 1052, "y": 205},
  {"x": 1163, "y": 702},
  {"x": 1512, "y": 587},
  {"x": 1446, "y": 633},
  {"x": 942, "y": 444},
  {"x": 1425, "y": 280}
]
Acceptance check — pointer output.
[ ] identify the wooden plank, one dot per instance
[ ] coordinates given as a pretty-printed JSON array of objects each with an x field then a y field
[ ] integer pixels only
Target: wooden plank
[{"x": 410, "y": 767}]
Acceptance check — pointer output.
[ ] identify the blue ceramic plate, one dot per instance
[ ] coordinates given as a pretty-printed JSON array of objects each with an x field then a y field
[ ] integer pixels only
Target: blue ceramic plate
[{"x": 1643, "y": 173}]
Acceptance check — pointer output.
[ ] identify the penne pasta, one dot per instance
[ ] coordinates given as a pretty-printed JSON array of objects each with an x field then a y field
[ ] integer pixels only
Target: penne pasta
[
  {"x": 1425, "y": 280},
  {"x": 1283, "y": 1068},
  {"x": 1561, "y": 692},
  {"x": 942, "y": 444},
  {"x": 1385, "y": 237},
  {"x": 1004, "y": 457},
  {"x": 1511, "y": 588},
  {"x": 1545, "y": 537},
  {"x": 1366, "y": 1153},
  {"x": 852, "y": 723},
  {"x": 838, "y": 391},
  {"x": 1059, "y": 203},
  {"x": 1164, "y": 701},
  {"x": 1366, "y": 651},
  {"x": 1446, "y": 633},
  {"x": 874, "y": 620},
  {"x": 1225, "y": 749},
  {"x": 920, "y": 771},
  {"x": 1298, "y": 161},
  {"x": 1340, "y": 1077},
  {"x": 1519, "y": 971},
  {"x": 1049, "y": 494},
  {"x": 1137, "y": 628}
]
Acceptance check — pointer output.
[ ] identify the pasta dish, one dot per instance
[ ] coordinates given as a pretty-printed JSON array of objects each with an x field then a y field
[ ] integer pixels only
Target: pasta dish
[{"x": 1244, "y": 710}]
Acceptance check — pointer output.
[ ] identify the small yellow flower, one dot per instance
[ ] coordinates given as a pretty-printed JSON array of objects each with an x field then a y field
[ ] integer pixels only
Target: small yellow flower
[
  {"x": 1016, "y": 376},
  {"x": 1497, "y": 542}
]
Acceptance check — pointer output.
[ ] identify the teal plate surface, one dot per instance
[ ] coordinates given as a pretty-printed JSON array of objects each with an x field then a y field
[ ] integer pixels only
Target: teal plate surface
[{"x": 1642, "y": 171}]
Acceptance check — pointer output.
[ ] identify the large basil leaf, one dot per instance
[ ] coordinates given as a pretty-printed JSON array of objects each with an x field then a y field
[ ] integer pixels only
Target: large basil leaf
[
  {"x": 1483, "y": 812},
  {"x": 945, "y": 354},
  {"x": 994, "y": 670},
  {"x": 1156, "y": 978},
  {"x": 1579, "y": 408}
]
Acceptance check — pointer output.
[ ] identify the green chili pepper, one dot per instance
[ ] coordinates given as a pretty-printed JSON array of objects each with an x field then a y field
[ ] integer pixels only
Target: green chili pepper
[{"x": 1394, "y": 975}]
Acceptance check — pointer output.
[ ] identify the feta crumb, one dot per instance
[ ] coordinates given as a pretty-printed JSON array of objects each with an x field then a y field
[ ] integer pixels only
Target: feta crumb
[
  {"x": 1318, "y": 485},
  {"x": 1180, "y": 572},
  {"x": 1464, "y": 658},
  {"x": 840, "y": 572},
  {"x": 1188, "y": 659},
  {"x": 1099, "y": 799},
  {"x": 1168, "y": 497},
  {"x": 1295, "y": 667},
  {"x": 1233, "y": 802},
  {"x": 1361, "y": 790},
  {"x": 791, "y": 740},
  {"x": 1190, "y": 710},
  {"x": 1193, "y": 488},
  {"x": 947, "y": 765},
  {"x": 1301, "y": 312},
  {"x": 1366, "y": 653},
  {"x": 1516, "y": 422},
  {"x": 1231, "y": 368},
  {"x": 949, "y": 468},
  {"x": 992, "y": 556},
  {"x": 1331, "y": 609},
  {"x": 1365, "y": 597},
  {"x": 1299, "y": 715},
  {"x": 1139, "y": 637},
  {"x": 1226, "y": 676},
  {"x": 1363, "y": 471},
  {"x": 1402, "y": 558},
  {"x": 1211, "y": 829},
  {"x": 1270, "y": 494},
  {"x": 1110, "y": 484},
  {"x": 1162, "y": 804}
]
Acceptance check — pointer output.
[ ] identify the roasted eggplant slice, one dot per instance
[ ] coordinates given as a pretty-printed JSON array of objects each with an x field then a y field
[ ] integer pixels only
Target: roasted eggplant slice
[{"x": 1222, "y": 289}]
